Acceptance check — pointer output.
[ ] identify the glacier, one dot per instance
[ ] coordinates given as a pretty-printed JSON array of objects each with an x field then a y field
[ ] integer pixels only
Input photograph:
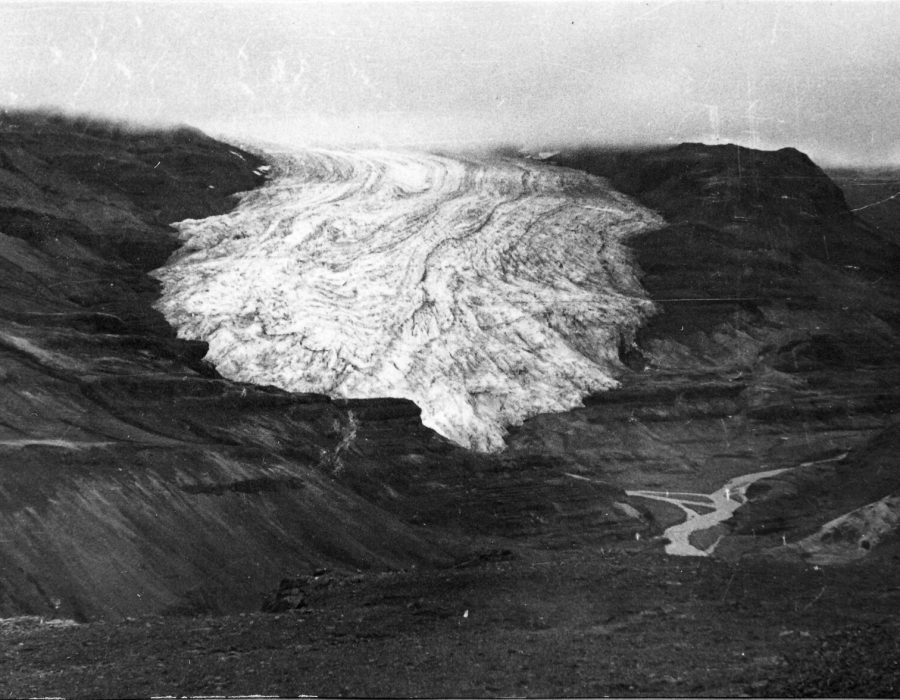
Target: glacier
[{"x": 485, "y": 289}]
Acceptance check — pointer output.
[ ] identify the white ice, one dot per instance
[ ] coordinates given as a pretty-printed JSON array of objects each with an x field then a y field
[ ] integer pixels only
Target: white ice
[{"x": 486, "y": 290}]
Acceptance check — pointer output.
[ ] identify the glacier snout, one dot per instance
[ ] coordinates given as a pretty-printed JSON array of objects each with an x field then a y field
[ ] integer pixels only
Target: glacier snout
[{"x": 485, "y": 290}]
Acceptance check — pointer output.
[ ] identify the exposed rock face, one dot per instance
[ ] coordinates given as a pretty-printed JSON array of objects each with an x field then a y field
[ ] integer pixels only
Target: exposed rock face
[
  {"x": 853, "y": 535},
  {"x": 486, "y": 291}
]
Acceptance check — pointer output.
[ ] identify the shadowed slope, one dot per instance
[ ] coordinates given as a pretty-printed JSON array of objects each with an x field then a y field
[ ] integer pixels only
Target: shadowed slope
[
  {"x": 776, "y": 342},
  {"x": 132, "y": 478}
]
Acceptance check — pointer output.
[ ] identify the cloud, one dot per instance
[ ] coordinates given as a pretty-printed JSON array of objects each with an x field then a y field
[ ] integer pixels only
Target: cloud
[{"x": 827, "y": 75}]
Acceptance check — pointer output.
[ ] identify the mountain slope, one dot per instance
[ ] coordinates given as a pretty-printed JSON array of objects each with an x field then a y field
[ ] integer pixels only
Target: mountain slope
[
  {"x": 776, "y": 342},
  {"x": 134, "y": 478}
]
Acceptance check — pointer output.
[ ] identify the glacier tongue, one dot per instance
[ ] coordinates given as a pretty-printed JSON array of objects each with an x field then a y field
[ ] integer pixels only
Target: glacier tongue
[{"x": 484, "y": 289}]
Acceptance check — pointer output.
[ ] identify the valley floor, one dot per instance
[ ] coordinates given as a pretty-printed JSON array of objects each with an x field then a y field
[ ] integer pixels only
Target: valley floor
[{"x": 624, "y": 621}]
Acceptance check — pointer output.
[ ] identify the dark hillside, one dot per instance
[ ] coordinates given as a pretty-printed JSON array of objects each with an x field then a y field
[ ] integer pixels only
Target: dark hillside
[
  {"x": 777, "y": 337},
  {"x": 873, "y": 194},
  {"x": 135, "y": 479}
]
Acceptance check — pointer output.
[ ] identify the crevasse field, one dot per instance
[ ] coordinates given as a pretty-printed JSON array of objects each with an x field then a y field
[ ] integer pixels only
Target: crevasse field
[{"x": 486, "y": 290}]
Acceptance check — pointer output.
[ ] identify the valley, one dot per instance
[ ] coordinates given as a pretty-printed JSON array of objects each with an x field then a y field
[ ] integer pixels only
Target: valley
[{"x": 156, "y": 488}]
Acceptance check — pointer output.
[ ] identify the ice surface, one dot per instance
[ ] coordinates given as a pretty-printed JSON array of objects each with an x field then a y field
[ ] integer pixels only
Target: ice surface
[{"x": 485, "y": 290}]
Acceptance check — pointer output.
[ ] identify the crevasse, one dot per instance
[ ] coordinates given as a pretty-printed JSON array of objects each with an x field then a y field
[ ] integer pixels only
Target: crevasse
[{"x": 486, "y": 290}]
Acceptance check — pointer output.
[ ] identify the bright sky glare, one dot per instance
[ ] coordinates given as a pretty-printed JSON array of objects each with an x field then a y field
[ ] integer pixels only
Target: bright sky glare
[{"x": 821, "y": 76}]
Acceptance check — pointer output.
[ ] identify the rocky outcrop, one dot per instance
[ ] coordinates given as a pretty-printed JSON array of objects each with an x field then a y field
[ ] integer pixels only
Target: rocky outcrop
[{"x": 852, "y": 535}]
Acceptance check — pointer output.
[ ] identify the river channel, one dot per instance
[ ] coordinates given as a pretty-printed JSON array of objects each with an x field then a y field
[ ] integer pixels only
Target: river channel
[{"x": 703, "y": 510}]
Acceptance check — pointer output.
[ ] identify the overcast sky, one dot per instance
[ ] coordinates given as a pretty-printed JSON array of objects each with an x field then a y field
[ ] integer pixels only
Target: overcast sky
[{"x": 824, "y": 77}]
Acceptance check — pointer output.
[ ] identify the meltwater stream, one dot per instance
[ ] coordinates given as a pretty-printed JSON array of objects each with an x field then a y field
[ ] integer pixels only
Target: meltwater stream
[
  {"x": 484, "y": 289},
  {"x": 703, "y": 510}
]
